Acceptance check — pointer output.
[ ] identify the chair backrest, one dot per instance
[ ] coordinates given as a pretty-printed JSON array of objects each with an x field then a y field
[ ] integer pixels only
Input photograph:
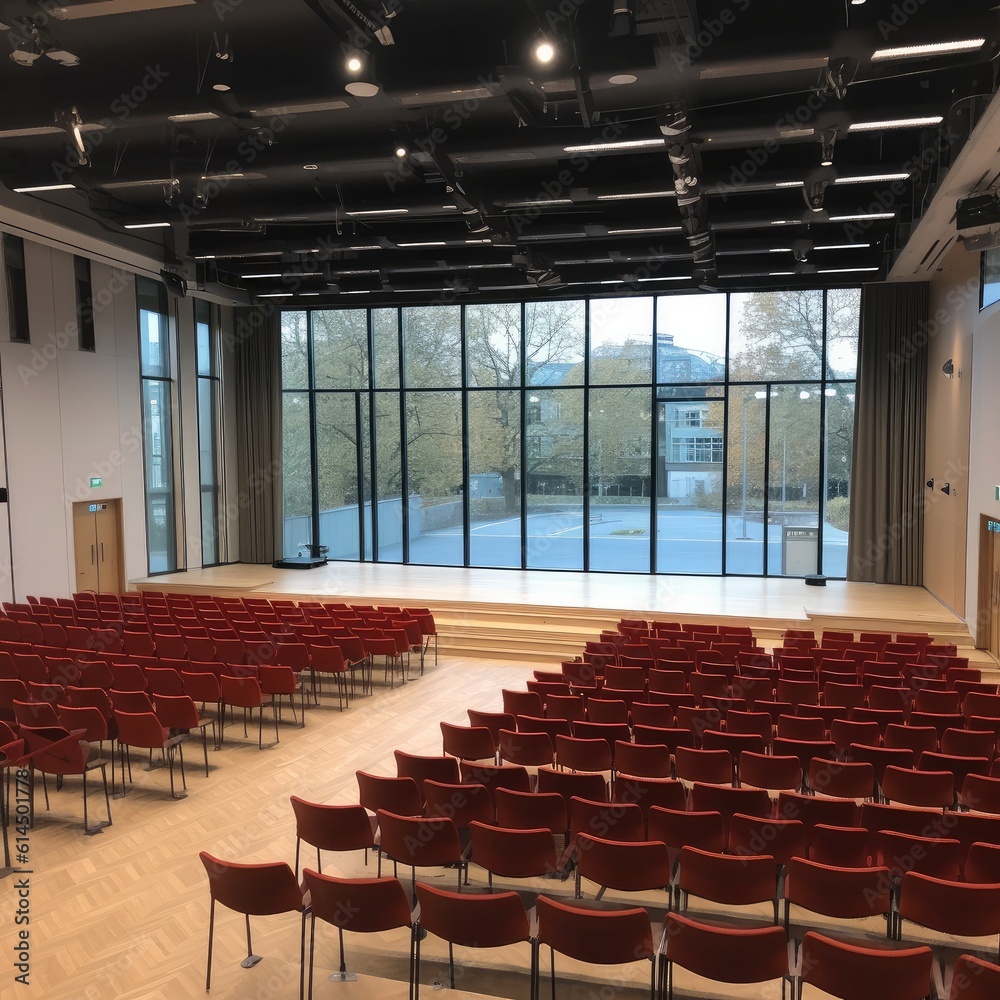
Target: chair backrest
[
  {"x": 360, "y": 905},
  {"x": 254, "y": 889},
  {"x": 918, "y": 788},
  {"x": 962, "y": 908},
  {"x": 474, "y": 920},
  {"x": 395, "y": 795},
  {"x": 726, "y": 954},
  {"x": 974, "y": 979},
  {"x": 461, "y": 803},
  {"x": 511, "y": 852},
  {"x": 604, "y": 937},
  {"x": 333, "y": 827},
  {"x": 417, "y": 840},
  {"x": 853, "y": 971},
  {"x": 524, "y": 810},
  {"x": 627, "y": 867},
  {"x": 770, "y": 772},
  {"x": 468, "y": 742}
]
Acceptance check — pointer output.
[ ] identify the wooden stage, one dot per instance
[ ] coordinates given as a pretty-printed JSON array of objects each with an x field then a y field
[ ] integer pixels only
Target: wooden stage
[{"x": 544, "y": 616}]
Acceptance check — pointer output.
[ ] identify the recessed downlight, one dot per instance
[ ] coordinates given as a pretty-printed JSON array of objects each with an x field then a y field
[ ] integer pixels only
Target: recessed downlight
[
  {"x": 359, "y": 88},
  {"x": 310, "y": 166},
  {"x": 622, "y": 79},
  {"x": 222, "y": 88}
]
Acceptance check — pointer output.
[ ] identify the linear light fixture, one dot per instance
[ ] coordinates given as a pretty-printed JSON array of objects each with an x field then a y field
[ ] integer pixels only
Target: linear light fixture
[
  {"x": 896, "y": 123},
  {"x": 378, "y": 211},
  {"x": 44, "y": 187},
  {"x": 646, "y": 229},
  {"x": 790, "y": 184},
  {"x": 272, "y": 295},
  {"x": 858, "y": 216},
  {"x": 245, "y": 276},
  {"x": 844, "y": 270},
  {"x": 873, "y": 178},
  {"x": 668, "y": 277},
  {"x": 372, "y": 247},
  {"x": 539, "y": 203},
  {"x": 780, "y": 274},
  {"x": 636, "y": 195},
  {"x": 193, "y": 116},
  {"x": 844, "y": 246},
  {"x": 427, "y": 243},
  {"x": 148, "y": 225},
  {"x": 611, "y": 147},
  {"x": 931, "y": 49}
]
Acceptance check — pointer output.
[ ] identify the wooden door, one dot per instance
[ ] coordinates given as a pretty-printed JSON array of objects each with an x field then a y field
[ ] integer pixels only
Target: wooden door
[
  {"x": 108, "y": 552},
  {"x": 988, "y": 619},
  {"x": 85, "y": 547}
]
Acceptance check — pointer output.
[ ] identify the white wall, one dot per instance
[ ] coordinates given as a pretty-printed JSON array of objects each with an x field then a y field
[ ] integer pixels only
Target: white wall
[{"x": 70, "y": 415}]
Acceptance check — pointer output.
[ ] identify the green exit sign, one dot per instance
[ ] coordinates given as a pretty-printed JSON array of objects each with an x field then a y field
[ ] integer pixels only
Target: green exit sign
[{"x": 96, "y": 481}]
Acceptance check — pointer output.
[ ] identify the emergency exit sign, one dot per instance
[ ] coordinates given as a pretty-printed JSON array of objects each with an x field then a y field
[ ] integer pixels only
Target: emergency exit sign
[{"x": 95, "y": 481}]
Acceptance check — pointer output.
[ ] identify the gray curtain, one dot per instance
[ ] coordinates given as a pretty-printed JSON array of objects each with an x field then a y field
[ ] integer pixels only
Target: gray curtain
[
  {"x": 257, "y": 352},
  {"x": 887, "y": 490}
]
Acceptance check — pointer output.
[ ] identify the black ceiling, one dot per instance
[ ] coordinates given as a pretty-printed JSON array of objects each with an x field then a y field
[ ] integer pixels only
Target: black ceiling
[{"x": 735, "y": 100}]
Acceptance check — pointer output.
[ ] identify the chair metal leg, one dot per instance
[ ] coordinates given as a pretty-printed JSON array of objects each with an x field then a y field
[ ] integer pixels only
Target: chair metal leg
[
  {"x": 211, "y": 937},
  {"x": 251, "y": 960}
]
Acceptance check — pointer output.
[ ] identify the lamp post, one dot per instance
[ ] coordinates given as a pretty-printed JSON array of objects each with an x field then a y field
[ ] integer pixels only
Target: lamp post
[{"x": 746, "y": 403}]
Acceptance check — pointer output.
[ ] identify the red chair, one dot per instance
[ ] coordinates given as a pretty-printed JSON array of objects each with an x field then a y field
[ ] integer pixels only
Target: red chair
[
  {"x": 419, "y": 841},
  {"x": 143, "y": 729},
  {"x": 960, "y": 908},
  {"x": 855, "y": 972},
  {"x": 253, "y": 890},
  {"x": 180, "y": 715},
  {"x": 605, "y": 937},
  {"x": 919, "y": 788},
  {"x": 846, "y": 893},
  {"x": 331, "y": 828},
  {"x": 245, "y": 693},
  {"x": 974, "y": 979},
  {"x": 726, "y": 879}
]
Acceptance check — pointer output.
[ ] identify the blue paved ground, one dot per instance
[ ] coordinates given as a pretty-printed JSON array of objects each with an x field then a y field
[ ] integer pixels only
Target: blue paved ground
[{"x": 689, "y": 541}]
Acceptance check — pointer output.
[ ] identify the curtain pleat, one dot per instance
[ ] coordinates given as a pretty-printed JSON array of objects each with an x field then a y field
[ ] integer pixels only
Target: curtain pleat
[
  {"x": 257, "y": 354},
  {"x": 887, "y": 489}
]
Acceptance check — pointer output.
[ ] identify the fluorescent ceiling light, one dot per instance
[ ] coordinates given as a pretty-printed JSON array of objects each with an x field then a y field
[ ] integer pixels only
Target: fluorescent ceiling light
[
  {"x": 261, "y": 276},
  {"x": 428, "y": 243},
  {"x": 360, "y": 292},
  {"x": 204, "y": 256},
  {"x": 299, "y": 109},
  {"x": 785, "y": 222},
  {"x": 637, "y": 195},
  {"x": 790, "y": 184},
  {"x": 273, "y": 295},
  {"x": 539, "y": 203},
  {"x": 844, "y": 246},
  {"x": 444, "y": 96},
  {"x": 896, "y": 123},
  {"x": 194, "y": 116},
  {"x": 647, "y": 229},
  {"x": 780, "y": 250},
  {"x": 483, "y": 267},
  {"x": 379, "y": 211},
  {"x": 671, "y": 277},
  {"x": 304, "y": 294},
  {"x": 857, "y": 217},
  {"x": 101, "y": 8},
  {"x": 873, "y": 178},
  {"x": 223, "y": 177},
  {"x": 780, "y": 274},
  {"x": 797, "y": 133},
  {"x": 149, "y": 225},
  {"x": 44, "y": 187},
  {"x": 151, "y": 182},
  {"x": 932, "y": 49},
  {"x": 376, "y": 247},
  {"x": 844, "y": 270},
  {"x": 610, "y": 147},
  {"x": 478, "y": 241}
]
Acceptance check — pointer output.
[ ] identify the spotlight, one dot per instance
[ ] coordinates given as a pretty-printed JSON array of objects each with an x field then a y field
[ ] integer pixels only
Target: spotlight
[
  {"x": 354, "y": 64},
  {"x": 72, "y": 123},
  {"x": 401, "y": 151},
  {"x": 948, "y": 368},
  {"x": 544, "y": 51}
]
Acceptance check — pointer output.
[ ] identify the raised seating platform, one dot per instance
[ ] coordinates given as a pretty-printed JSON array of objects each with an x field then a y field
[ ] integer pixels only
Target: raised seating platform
[{"x": 544, "y": 617}]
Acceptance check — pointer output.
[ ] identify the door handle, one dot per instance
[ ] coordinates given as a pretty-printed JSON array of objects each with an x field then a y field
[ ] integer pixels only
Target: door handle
[
  {"x": 92, "y": 555},
  {"x": 102, "y": 551}
]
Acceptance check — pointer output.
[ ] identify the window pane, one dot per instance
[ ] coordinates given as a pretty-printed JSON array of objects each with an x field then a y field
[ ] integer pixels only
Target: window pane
[
  {"x": 17, "y": 287},
  {"x": 158, "y": 444},
  {"x": 690, "y": 338},
  {"x": 340, "y": 348},
  {"x": 689, "y": 485},
  {"x": 209, "y": 527},
  {"x": 337, "y": 471},
  {"x": 294, "y": 351},
  {"x": 154, "y": 345},
  {"x": 389, "y": 478},
  {"x": 745, "y": 477},
  {"x": 203, "y": 335},
  {"x": 619, "y": 479},
  {"x": 621, "y": 340},
  {"x": 794, "y": 481},
  {"x": 553, "y": 342},
  {"x": 839, "y": 442},
  {"x": 432, "y": 345},
  {"x": 366, "y": 473},
  {"x": 385, "y": 329},
  {"x": 493, "y": 342},
  {"x": 776, "y": 335},
  {"x": 84, "y": 303},
  {"x": 495, "y": 478},
  {"x": 296, "y": 477},
  {"x": 434, "y": 466},
  {"x": 206, "y": 431},
  {"x": 843, "y": 321},
  {"x": 553, "y": 467}
]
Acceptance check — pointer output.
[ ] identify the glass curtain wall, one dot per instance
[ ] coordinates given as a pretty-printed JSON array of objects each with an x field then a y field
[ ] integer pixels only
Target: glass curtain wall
[
  {"x": 209, "y": 404},
  {"x": 705, "y": 433},
  {"x": 156, "y": 366}
]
